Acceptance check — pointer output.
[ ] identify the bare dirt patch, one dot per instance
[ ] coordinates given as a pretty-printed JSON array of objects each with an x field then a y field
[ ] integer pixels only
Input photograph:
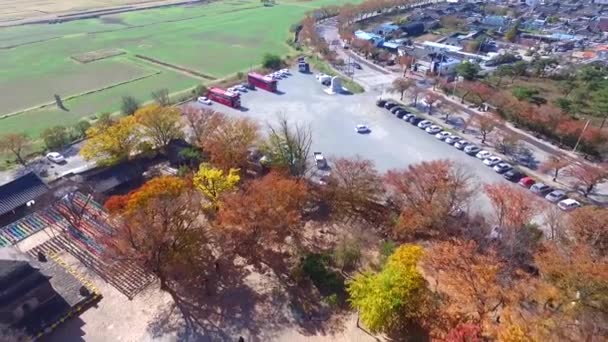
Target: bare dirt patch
[{"x": 93, "y": 56}]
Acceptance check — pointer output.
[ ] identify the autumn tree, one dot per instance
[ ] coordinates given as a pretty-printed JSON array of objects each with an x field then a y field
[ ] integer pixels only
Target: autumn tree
[
  {"x": 465, "y": 332},
  {"x": 428, "y": 193},
  {"x": 406, "y": 63},
  {"x": 555, "y": 164},
  {"x": 432, "y": 100},
  {"x": 228, "y": 145},
  {"x": 160, "y": 229},
  {"x": 214, "y": 182},
  {"x": 468, "y": 277},
  {"x": 579, "y": 278},
  {"x": 395, "y": 296},
  {"x": 354, "y": 185},
  {"x": 160, "y": 124},
  {"x": 401, "y": 85},
  {"x": 16, "y": 143},
  {"x": 486, "y": 124},
  {"x": 588, "y": 175},
  {"x": 590, "y": 226},
  {"x": 112, "y": 144},
  {"x": 264, "y": 214},
  {"x": 203, "y": 122},
  {"x": 416, "y": 92},
  {"x": 513, "y": 207},
  {"x": 161, "y": 97},
  {"x": 288, "y": 145}
]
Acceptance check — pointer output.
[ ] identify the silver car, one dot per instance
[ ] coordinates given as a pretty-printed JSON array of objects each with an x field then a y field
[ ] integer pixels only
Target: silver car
[{"x": 555, "y": 196}]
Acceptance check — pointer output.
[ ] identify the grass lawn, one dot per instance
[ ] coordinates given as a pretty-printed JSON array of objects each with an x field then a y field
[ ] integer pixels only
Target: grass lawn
[{"x": 216, "y": 39}]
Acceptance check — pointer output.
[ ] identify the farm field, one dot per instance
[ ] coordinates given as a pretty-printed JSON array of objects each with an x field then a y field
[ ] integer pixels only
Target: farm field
[{"x": 215, "y": 40}]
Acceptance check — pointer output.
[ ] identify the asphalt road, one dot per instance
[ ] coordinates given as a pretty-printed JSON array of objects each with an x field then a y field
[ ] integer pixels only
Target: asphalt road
[{"x": 392, "y": 143}]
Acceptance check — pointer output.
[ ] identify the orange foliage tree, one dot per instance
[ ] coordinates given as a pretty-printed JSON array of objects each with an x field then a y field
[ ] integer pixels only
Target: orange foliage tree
[
  {"x": 354, "y": 185},
  {"x": 428, "y": 193},
  {"x": 468, "y": 277},
  {"x": 264, "y": 214},
  {"x": 160, "y": 229},
  {"x": 513, "y": 207},
  {"x": 486, "y": 124},
  {"x": 203, "y": 122},
  {"x": 590, "y": 226},
  {"x": 229, "y": 143}
]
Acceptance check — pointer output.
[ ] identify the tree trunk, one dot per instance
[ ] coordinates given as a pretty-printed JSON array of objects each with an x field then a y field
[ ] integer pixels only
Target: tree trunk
[{"x": 20, "y": 159}]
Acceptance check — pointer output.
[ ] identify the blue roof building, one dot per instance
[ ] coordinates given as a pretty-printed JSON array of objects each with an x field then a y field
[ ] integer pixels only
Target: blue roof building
[
  {"x": 385, "y": 28},
  {"x": 372, "y": 37}
]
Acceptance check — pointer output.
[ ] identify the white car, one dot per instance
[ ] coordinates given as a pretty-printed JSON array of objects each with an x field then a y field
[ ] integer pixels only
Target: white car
[
  {"x": 442, "y": 135},
  {"x": 285, "y": 72},
  {"x": 568, "y": 204},
  {"x": 424, "y": 124},
  {"x": 203, "y": 100},
  {"x": 483, "y": 154},
  {"x": 55, "y": 157},
  {"x": 320, "y": 76},
  {"x": 452, "y": 139},
  {"x": 241, "y": 88},
  {"x": 461, "y": 144},
  {"x": 502, "y": 167},
  {"x": 491, "y": 161},
  {"x": 362, "y": 129},
  {"x": 433, "y": 129}
]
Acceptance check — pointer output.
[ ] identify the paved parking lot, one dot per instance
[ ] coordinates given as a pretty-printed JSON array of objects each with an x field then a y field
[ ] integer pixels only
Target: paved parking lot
[{"x": 392, "y": 143}]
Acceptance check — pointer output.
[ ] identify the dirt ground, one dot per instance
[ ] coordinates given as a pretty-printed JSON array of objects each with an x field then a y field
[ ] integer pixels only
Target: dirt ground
[
  {"x": 252, "y": 304},
  {"x": 11, "y": 10}
]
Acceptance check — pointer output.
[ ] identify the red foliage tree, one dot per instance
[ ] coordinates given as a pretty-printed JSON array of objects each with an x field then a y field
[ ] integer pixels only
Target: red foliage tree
[
  {"x": 513, "y": 207},
  {"x": 428, "y": 194},
  {"x": 262, "y": 215},
  {"x": 555, "y": 164},
  {"x": 588, "y": 175},
  {"x": 465, "y": 332}
]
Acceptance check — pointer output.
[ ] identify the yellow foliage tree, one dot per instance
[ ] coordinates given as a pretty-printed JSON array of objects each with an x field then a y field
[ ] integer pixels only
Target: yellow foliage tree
[
  {"x": 214, "y": 182},
  {"x": 112, "y": 144},
  {"x": 160, "y": 124}
]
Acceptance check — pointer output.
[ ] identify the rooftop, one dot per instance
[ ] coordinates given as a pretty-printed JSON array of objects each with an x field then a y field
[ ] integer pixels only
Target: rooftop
[{"x": 20, "y": 191}]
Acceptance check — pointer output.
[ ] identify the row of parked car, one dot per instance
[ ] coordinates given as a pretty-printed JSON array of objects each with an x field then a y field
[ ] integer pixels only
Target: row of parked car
[{"x": 498, "y": 165}]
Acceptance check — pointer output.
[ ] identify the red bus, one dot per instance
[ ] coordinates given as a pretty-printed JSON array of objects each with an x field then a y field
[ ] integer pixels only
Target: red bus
[
  {"x": 261, "y": 81},
  {"x": 225, "y": 97}
]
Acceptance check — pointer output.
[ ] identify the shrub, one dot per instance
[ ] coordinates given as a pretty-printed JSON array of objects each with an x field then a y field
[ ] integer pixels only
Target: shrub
[
  {"x": 270, "y": 61},
  {"x": 129, "y": 105}
]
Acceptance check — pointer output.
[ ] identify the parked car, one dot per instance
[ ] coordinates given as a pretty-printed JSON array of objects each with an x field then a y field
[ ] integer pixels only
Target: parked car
[
  {"x": 320, "y": 160},
  {"x": 540, "y": 189},
  {"x": 414, "y": 120},
  {"x": 568, "y": 204},
  {"x": 442, "y": 135},
  {"x": 555, "y": 196},
  {"x": 55, "y": 157},
  {"x": 461, "y": 144},
  {"x": 408, "y": 116},
  {"x": 401, "y": 113},
  {"x": 389, "y": 105},
  {"x": 241, "y": 88},
  {"x": 502, "y": 167},
  {"x": 483, "y": 154},
  {"x": 203, "y": 100},
  {"x": 472, "y": 150},
  {"x": 492, "y": 160},
  {"x": 424, "y": 124},
  {"x": 526, "y": 182},
  {"x": 362, "y": 129},
  {"x": 514, "y": 175},
  {"x": 356, "y": 66},
  {"x": 395, "y": 109},
  {"x": 433, "y": 129},
  {"x": 452, "y": 139},
  {"x": 380, "y": 103}
]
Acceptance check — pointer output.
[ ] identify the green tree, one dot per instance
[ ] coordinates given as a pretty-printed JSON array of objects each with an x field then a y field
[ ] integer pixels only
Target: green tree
[
  {"x": 524, "y": 93},
  {"x": 200, "y": 90},
  {"x": 270, "y": 61},
  {"x": 393, "y": 297},
  {"x": 55, "y": 137},
  {"x": 599, "y": 105},
  {"x": 129, "y": 105},
  {"x": 511, "y": 34},
  {"x": 80, "y": 128},
  {"x": 214, "y": 182},
  {"x": 467, "y": 70}
]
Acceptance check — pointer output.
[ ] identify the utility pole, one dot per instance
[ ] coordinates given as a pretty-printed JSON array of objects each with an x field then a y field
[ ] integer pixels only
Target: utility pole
[{"x": 581, "y": 136}]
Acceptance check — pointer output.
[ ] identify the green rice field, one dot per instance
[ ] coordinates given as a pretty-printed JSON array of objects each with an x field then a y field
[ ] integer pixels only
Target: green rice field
[{"x": 215, "y": 40}]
